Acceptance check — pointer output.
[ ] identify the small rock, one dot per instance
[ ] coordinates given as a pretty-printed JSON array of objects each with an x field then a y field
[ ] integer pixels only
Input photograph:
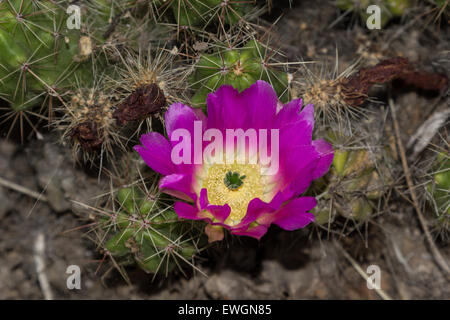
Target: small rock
[{"x": 228, "y": 285}]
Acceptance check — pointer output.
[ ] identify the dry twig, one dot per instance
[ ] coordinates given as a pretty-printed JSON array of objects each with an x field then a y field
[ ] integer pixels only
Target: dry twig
[
  {"x": 436, "y": 254},
  {"x": 39, "y": 254},
  {"x": 358, "y": 268},
  {"x": 23, "y": 190}
]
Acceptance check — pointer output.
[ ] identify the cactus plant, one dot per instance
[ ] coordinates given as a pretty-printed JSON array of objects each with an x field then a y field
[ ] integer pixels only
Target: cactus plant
[
  {"x": 112, "y": 22},
  {"x": 99, "y": 119},
  {"x": 32, "y": 37},
  {"x": 239, "y": 67},
  {"x": 43, "y": 58},
  {"x": 40, "y": 56},
  {"x": 341, "y": 96},
  {"x": 88, "y": 123},
  {"x": 325, "y": 89},
  {"x": 201, "y": 13},
  {"x": 438, "y": 194},
  {"x": 146, "y": 82},
  {"x": 357, "y": 180},
  {"x": 148, "y": 234}
]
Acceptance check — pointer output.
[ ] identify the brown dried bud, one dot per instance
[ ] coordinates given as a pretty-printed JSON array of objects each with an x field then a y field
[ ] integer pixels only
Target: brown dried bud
[
  {"x": 356, "y": 87},
  {"x": 424, "y": 80},
  {"x": 88, "y": 134},
  {"x": 141, "y": 103}
]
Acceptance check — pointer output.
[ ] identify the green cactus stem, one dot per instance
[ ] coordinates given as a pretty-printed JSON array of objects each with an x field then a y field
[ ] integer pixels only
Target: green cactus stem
[
  {"x": 202, "y": 13},
  {"x": 147, "y": 234},
  {"x": 357, "y": 180},
  {"x": 38, "y": 52},
  {"x": 439, "y": 190},
  {"x": 239, "y": 67}
]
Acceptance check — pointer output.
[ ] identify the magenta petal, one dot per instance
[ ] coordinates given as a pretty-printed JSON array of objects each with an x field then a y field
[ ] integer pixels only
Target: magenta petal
[
  {"x": 295, "y": 134},
  {"x": 255, "y": 232},
  {"x": 326, "y": 155},
  {"x": 179, "y": 186},
  {"x": 254, "y": 107},
  {"x": 155, "y": 151},
  {"x": 296, "y": 167},
  {"x": 180, "y": 116},
  {"x": 255, "y": 209},
  {"x": 294, "y": 214},
  {"x": 221, "y": 213},
  {"x": 289, "y": 113},
  {"x": 307, "y": 114},
  {"x": 199, "y": 114},
  {"x": 222, "y": 102},
  {"x": 186, "y": 211},
  {"x": 258, "y": 208},
  {"x": 261, "y": 102},
  {"x": 203, "y": 199},
  {"x": 303, "y": 178}
]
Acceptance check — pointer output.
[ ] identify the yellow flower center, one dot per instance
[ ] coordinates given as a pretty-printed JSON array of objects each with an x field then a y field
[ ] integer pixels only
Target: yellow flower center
[{"x": 219, "y": 193}]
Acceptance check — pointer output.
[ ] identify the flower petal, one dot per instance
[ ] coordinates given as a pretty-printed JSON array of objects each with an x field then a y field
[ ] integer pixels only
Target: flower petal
[
  {"x": 255, "y": 232},
  {"x": 155, "y": 151},
  {"x": 179, "y": 186},
  {"x": 260, "y": 100},
  {"x": 180, "y": 116},
  {"x": 186, "y": 211},
  {"x": 326, "y": 155},
  {"x": 307, "y": 115},
  {"x": 289, "y": 113},
  {"x": 296, "y": 168},
  {"x": 220, "y": 212},
  {"x": 254, "y": 107},
  {"x": 294, "y": 214},
  {"x": 257, "y": 208}
]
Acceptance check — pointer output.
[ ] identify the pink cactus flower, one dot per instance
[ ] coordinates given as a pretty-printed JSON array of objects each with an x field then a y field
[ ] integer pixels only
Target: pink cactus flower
[{"x": 244, "y": 197}]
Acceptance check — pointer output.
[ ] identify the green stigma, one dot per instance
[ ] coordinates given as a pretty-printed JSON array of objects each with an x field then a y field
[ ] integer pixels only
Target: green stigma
[{"x": 233, "y": 180}]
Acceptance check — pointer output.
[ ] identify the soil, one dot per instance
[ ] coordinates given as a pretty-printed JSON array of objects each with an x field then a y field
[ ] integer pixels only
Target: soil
[{"x": 303, "y": 264}]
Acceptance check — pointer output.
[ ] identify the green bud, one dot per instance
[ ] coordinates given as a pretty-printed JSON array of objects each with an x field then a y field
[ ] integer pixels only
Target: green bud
[
  {"x": 339, "y": 161},
  {"x": 323, "y": 216}
]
